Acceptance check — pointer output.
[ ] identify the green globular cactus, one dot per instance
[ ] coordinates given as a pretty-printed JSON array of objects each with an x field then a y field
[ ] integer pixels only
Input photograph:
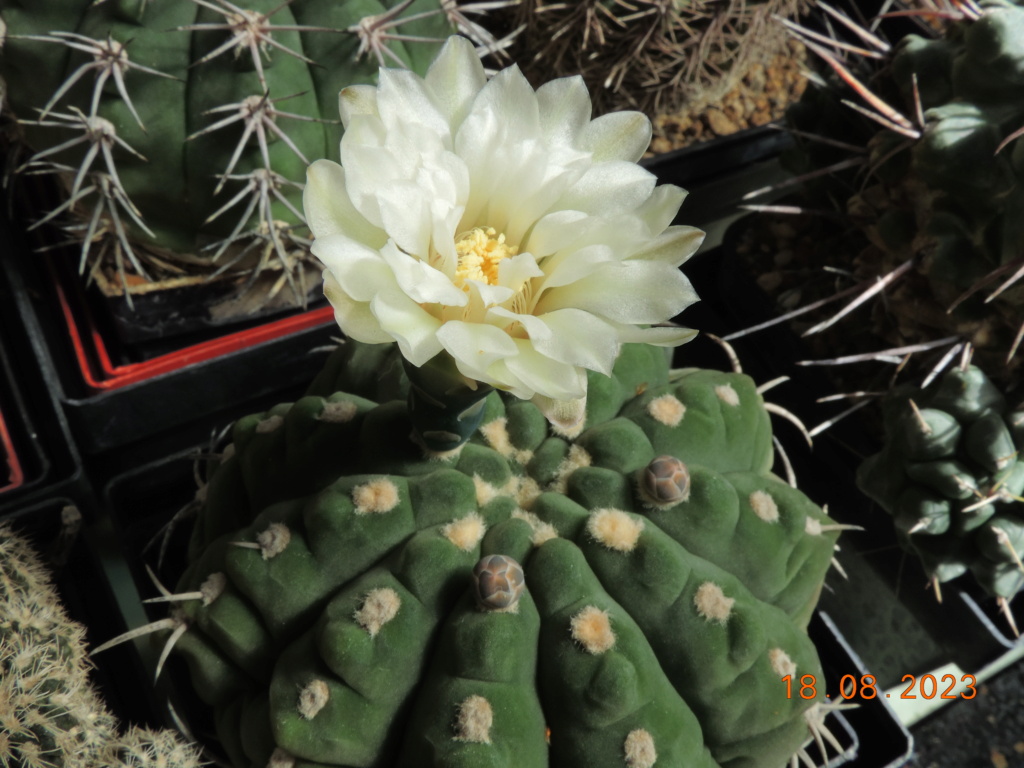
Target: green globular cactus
[
  {"x": 180, "y": 130},
  {"x": 632, "y": 593},
  {"x": 50, "y": 714},
  {"x": 932, "y": 173},
  {"x": 950, "y": 475}
]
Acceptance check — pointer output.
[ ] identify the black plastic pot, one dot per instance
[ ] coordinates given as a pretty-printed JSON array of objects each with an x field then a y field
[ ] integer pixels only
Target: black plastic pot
[
  {"x": 173, "y": 408},
  {"x": 40, "y": 435}
]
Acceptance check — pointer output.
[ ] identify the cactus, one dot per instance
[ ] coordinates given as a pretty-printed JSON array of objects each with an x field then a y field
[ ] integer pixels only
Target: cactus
[
  {"x": 929, "y": 169},
  {"x": 950, "y": 475},
  {"x": 50, "y": 715},
  {"x": 632, "y": 593},
  {"x": 650, "y": 55},
  {"x": 180, "y": 131}
]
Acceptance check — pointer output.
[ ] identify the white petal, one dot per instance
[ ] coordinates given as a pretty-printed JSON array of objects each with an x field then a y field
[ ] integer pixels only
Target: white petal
[
  {"x": 559, "y": 381},
  {"x": 670, "y": 336},
  {"x": 555, "y": 231},
  {"x": 403, "y": 100},
  {"x": 410, "y": 325},
  {"x": 516, "y": 270},
  {"x": 454, "y": 79},
  {"x": 569, "y": 265},
  {"x": 420, "y": 281},
  {"x": 662, "y": 207},
  {"x": 610, "y": 187},
  {"x": 405, "y": 215},
  {"x": 353, "y": 317},
  {"x": 359, "y": 270},
  {"x": 565, "y": 109},
  {"x": 566, "y": 415},
  {"x": 627, "y": 292},
  {"x": 329, "y": 210},
  {"x": 357, "y": 100},
  {"x": 673, "y": 247},
  {"x": 617, "y": 136},
  {"x": 475, "y": 346},
  {"x": 489, "y": 295},
  {"x": 570, "y": 336}
]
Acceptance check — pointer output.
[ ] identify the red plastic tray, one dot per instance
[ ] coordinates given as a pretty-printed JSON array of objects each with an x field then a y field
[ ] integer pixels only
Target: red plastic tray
[
  {"x": 16, "y": 475},
  {"x": 101, "y": 374}
]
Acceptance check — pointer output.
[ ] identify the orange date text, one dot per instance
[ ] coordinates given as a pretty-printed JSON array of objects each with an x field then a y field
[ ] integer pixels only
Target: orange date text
[{"x": 866, "y": 687}]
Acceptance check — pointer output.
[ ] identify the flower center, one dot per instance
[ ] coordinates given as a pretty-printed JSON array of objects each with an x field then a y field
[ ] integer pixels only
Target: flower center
[{"x": 480, "y": 252}]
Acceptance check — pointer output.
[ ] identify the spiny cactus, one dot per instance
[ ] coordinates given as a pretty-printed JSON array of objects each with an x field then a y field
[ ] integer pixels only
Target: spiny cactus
[
  {"x": 180, "y": 131},
  {"x": 652, "y": 55},
  {"x": 950, "y": 475},
  {"x": 922, "y": 141},
  {"x": 50, "y": 715},
  {"x": 630, "y": 592}
]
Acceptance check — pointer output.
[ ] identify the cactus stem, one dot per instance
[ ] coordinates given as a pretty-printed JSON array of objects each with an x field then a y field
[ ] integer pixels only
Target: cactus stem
[{"x": 1004, "y": 606}]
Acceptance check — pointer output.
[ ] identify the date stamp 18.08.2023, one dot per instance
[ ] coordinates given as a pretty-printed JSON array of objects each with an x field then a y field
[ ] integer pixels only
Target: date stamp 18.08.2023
[{"x": 866, "y": 687}]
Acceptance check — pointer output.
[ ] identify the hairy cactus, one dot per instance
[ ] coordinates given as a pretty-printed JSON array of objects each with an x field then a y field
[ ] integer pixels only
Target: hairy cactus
[
  {"x": 633, "y": 592},
  {"x": 651, "y": 55},
  {"x": 50, "y": 715},
  {"x": 180, "y": 131},
  {"x": 929, "y": 168},
  {"x": 950, "y": 475}
]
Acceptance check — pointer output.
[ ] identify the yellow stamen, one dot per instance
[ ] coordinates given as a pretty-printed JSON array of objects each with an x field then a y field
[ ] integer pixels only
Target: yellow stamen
[{"x": 480, "y": 252}]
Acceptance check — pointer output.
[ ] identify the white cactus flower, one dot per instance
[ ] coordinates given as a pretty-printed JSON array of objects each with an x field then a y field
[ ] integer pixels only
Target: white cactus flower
[{"x": 499, "y": 224}]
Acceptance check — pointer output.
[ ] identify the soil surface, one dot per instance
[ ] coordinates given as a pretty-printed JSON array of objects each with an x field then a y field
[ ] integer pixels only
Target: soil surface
[
  {"x": 760, "y": 98},
  {"x": 984, "y": 732}
]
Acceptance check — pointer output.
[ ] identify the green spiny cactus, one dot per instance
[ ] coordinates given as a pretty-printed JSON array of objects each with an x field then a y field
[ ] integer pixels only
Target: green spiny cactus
[
  {"x": 50, "y": 715},
  {"x": 951, "y": 477},
  {"x": 650, "y": 55},
  {"x": 635, "y": 591},
  {"x": 932, "y": 176},
  {"x": 180, "y": 131}
]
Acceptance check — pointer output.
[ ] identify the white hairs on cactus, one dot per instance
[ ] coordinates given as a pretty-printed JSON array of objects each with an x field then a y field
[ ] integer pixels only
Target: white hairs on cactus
[{"x": 499, "y": 225}]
